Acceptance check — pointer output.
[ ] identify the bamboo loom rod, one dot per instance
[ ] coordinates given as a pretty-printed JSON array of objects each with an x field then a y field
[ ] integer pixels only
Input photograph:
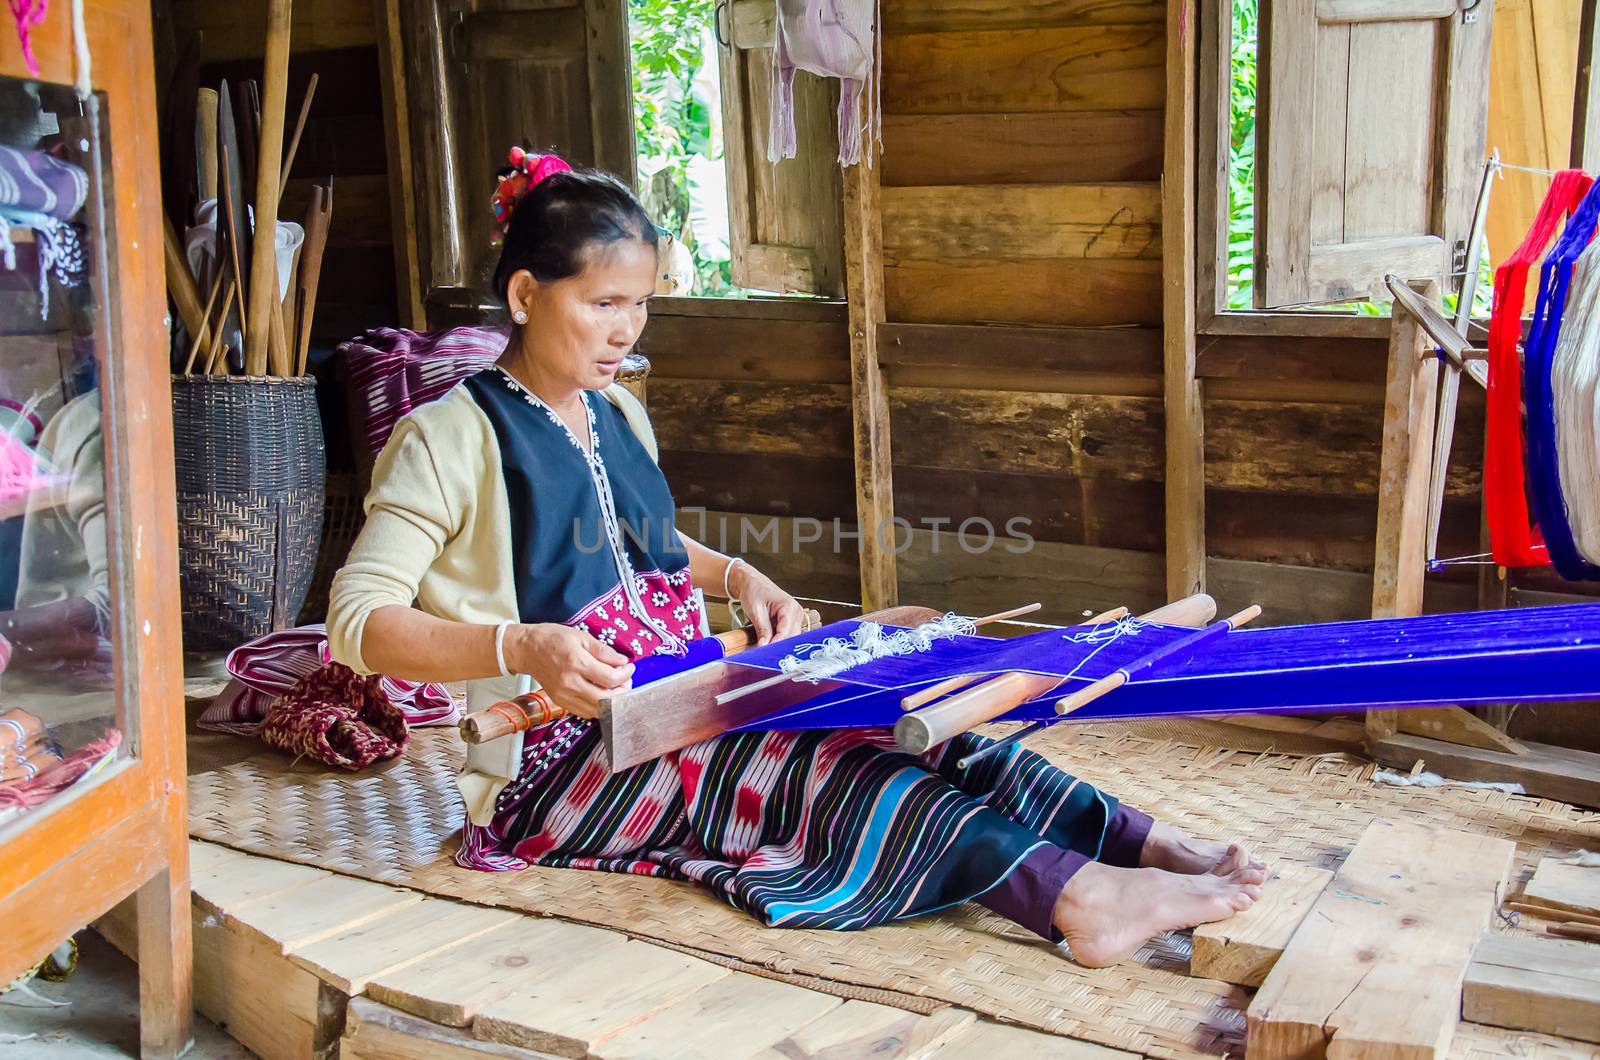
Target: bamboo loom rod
[
  {"x": 932, "y": 692},
  {"x": 931, "y": 726},
  {"x": 262, "y": 304}
]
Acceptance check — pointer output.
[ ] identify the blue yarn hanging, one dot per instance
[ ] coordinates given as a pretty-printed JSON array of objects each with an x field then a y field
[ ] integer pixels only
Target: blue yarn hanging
[{"x": 1544, "y": 474}]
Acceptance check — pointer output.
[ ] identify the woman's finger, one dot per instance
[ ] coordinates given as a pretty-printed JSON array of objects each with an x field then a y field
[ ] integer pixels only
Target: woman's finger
[
  {"x": 583, "y": 697},
  {"x": 761, "y": 620},
  {"x": 602, "y": 675},
  {"x": 791, "y": 620},
  {"x": 604, "y": 652}
]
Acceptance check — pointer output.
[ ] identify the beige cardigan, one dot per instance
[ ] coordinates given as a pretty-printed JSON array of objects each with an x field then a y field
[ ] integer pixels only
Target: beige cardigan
[{"x": 438, "y": 530}]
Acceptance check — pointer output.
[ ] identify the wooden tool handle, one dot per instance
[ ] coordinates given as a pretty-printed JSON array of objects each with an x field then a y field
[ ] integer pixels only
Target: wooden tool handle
[
  {"x": 1586, "y": 932},
  {"x": 1196, "y": 610},
  {"x": 931, "y": 726},
  {"x": 206, "y": 141},
  {"x": 262, "y": 301},
  {"x": 524, "y": 712}
]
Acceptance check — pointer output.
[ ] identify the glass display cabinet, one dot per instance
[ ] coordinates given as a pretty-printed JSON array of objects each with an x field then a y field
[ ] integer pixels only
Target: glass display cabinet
[{"x": 92, "y": 794}]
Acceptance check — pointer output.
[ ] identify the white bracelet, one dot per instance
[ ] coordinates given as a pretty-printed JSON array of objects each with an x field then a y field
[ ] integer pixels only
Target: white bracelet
[
  {"x": 500, "y": 647},
  {"x": 727, "y": 573}
]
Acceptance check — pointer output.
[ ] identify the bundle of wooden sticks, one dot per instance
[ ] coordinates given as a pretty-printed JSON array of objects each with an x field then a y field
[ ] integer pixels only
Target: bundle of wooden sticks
[{"x": 243, "y": 325}]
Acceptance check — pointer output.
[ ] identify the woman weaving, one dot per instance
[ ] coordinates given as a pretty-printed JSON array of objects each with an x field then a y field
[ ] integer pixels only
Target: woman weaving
[{"x": 479, "y": 558}]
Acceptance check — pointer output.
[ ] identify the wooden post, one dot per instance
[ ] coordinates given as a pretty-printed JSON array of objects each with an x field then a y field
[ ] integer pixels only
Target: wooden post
[
  {"x": 397, "y": 140},
  {"x": 1409, "y": 404},
  {"x": 863, "y": 265},
  {"x": 1586, "y": 104},
  {"x": 1185, "y": 425}
]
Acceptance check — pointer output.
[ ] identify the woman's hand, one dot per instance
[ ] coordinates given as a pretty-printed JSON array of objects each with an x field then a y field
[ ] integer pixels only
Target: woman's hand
[
  {"x": 575, "y": 670},
  {"x": 773, "y": 613}
]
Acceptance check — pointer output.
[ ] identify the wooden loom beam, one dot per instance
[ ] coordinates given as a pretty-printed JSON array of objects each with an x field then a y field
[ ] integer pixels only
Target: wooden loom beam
[
  {"x": 1443, "y": 739},
  {"x": 1404, "y": 478}
]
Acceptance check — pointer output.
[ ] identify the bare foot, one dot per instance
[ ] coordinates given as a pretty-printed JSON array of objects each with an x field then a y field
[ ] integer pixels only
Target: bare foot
[
  {"x": 1107, "y": 913},
  {"x": 1168, "y": 848}
]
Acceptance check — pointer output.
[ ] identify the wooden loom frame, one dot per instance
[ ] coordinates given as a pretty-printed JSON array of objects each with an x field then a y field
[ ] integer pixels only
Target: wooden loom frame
[{"x": 1456, "y": 743}]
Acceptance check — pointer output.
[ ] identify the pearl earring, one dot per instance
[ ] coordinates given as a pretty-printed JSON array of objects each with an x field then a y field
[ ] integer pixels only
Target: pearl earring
[{"x": 520, "y": 317}]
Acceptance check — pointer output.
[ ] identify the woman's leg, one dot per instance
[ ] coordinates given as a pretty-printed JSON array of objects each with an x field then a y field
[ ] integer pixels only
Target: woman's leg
[
  {"x": 1010, "y": 780},
  {"x": 1105, "y": 892}
]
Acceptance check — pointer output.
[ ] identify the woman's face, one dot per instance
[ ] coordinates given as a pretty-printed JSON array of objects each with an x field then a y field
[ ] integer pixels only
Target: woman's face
[{"x": 580, "y": 328}]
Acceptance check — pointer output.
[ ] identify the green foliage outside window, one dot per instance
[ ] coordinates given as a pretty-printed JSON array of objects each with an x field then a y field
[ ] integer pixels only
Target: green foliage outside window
[{"x": 676, "y": 121}]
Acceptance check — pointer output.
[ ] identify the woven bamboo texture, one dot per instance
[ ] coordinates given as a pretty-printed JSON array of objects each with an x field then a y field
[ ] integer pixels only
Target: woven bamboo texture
[
  {"x": 397, "y": 825},
  {"x": 250, "y": 468}
]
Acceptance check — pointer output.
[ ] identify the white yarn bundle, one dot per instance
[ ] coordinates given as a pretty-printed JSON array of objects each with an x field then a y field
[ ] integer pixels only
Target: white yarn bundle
[
  {"x": 1575, "y": 388},
  {"x": 818, "y": 662}
]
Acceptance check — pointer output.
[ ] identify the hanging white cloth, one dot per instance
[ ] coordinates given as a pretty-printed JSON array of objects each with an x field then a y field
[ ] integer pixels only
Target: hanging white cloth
[{"x": 832, "y": 38}]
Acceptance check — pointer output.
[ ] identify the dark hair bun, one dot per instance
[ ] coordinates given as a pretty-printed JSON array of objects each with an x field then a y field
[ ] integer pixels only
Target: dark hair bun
[{"x": 562, "y": 215}]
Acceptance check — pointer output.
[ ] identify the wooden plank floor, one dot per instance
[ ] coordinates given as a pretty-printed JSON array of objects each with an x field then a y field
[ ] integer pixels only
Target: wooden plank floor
[{"x": 302, "y": 963}]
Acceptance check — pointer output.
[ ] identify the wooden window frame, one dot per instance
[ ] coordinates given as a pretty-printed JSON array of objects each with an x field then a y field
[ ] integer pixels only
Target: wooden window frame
[{"x": 1212, "y": 316}]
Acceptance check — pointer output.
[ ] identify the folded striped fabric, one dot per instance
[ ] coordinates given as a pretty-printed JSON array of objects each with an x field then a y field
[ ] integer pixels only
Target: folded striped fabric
[
  {"x": 392, "y": 371},
  {"x": 268, "y": 667},
  {"x": 37, "y": 182}
]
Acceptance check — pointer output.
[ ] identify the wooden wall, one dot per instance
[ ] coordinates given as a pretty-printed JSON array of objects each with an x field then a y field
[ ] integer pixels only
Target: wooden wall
[
  {"x": 344, "y": 138},
  {"x": 1022, "y": 348}
]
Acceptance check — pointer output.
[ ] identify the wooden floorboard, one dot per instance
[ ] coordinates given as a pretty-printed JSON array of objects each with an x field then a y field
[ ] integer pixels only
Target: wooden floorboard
[
  {"x": 1375, "y": 970},
  {"x": 1243, "y": 948},
  {"x": 1550, "y": 986}
]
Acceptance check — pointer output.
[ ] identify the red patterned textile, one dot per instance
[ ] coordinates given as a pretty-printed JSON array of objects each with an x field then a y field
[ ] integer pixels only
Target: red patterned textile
[
  {"x": 668, "y": 598},
  {"x": 338, "y": 718}
]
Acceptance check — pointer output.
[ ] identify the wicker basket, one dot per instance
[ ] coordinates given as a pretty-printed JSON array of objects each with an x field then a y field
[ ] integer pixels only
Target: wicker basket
[{"x": 250, "y": 470}]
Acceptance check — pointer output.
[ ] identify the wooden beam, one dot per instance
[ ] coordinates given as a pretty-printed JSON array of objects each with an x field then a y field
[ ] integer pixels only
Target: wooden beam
[
  {"x": 397, "y": 142},
  {"x": 1185, "y": 422},
  {"x": 1410, "y": 399},
  {"x": 869, "y": 404},
  {"x": 1542, "y": 769},
  {"x": 1570, "y": 888},
  {"x": 1586, "y": 104},
  {"x": 1376, "y": 968},
  {"x": 1243, "y": 948},
  {"x": 1535, "y": 984}
]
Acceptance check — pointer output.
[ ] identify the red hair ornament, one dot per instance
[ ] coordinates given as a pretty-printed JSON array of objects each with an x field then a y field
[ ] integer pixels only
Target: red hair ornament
[{"x": 526, "y": 170}]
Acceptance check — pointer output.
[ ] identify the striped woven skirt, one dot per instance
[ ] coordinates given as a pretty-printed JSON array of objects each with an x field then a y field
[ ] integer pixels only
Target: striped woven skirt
[{"x": 814, "y": 829}]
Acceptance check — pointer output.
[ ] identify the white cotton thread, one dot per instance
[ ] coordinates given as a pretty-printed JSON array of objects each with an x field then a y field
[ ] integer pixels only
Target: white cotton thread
[
  {"x": 817, "y": 662},
  {"x": 1434, "y": 780},
  {"x": 1101, "y": 635}
]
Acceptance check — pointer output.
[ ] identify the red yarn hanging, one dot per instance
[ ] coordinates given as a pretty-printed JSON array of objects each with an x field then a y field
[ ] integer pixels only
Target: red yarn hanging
[{"x": 1513, "y": 535}]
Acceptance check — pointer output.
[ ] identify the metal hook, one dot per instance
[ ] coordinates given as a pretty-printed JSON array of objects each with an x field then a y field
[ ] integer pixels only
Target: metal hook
[{"x": 716, "y": 23}]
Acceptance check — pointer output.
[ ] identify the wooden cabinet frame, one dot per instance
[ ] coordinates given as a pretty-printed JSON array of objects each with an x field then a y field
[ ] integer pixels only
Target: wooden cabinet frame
[{"x": 69, "y": 862}]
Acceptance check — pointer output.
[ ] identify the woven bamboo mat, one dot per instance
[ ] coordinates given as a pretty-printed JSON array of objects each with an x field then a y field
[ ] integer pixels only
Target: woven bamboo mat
[{"x": 397, "y": 825}]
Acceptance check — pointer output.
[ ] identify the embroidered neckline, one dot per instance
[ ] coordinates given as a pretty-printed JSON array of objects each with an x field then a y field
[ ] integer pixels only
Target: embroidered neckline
[
  {"x": 516, "y": 386},
  {"x": 608, "y": 506}
]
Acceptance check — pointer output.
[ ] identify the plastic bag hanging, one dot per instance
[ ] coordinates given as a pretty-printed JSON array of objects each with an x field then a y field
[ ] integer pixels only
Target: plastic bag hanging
[{"x": 831, "y": 38}]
